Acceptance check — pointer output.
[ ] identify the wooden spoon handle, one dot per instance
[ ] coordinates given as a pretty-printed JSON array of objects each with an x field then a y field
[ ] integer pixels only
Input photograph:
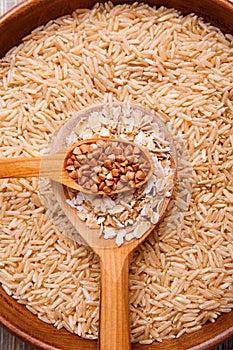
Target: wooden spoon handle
[
  {"x": 114, "y": 306},
  {"x": 19, "y": 167},
  {"x": 48, "y": 166}
]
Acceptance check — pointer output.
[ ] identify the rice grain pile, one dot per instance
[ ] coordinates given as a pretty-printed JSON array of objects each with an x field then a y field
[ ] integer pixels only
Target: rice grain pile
[{"x": 178, "y": 66}]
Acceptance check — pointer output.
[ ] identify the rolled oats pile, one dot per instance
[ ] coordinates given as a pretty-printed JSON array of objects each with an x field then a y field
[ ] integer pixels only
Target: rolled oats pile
[{"x": 126, "y": 215}]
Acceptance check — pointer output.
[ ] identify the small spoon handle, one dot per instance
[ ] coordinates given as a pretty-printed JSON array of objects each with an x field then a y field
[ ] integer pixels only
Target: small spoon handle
[
  {"x": 114, "y": 305},
  {"x": 20, "y": 167},
  {"x": 48, "y": 166}
]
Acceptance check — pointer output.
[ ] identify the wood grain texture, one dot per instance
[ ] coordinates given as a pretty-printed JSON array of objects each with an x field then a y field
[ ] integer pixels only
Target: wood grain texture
[
  {"x": 114, "y": 308},
  {"x": 13, "y": 26},
  {"x": 50, "y": 167},
  {"x": 19, "y": 167},
  {"x": 10, "y": 342}
]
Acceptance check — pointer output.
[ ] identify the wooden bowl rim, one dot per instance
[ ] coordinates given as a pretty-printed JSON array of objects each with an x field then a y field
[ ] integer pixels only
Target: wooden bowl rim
[{"x": 23, "y": 9}]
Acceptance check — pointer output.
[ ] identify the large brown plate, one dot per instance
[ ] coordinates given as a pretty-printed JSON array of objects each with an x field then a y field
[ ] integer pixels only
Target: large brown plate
[{"x": 14, "y": 25}]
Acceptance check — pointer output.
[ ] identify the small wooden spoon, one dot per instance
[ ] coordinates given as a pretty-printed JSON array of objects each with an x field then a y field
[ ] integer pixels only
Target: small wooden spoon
[
  {"x": 114, "y": 329},
  {"x": 54, "y": 166}
]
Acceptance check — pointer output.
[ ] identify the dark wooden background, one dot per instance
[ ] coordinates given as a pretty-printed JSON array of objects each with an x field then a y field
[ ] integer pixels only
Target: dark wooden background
[{"x": 9, "y": 342}]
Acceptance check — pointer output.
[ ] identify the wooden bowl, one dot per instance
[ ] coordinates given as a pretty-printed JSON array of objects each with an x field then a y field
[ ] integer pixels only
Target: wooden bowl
[{"x": 13, "y": 26}]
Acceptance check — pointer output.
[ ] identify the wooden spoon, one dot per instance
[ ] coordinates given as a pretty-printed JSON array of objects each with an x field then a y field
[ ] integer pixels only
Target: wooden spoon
[
  {"x": 54, "y": 166},
  {"x": 114, "y": 330}
]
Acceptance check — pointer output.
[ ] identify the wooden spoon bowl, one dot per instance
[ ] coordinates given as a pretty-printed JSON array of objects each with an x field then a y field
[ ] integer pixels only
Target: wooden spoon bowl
[{"x": 68, "y": 181}]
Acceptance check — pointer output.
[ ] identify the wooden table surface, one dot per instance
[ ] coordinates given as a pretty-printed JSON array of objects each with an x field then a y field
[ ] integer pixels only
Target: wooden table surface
[{"x": 7, "y": 340}]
